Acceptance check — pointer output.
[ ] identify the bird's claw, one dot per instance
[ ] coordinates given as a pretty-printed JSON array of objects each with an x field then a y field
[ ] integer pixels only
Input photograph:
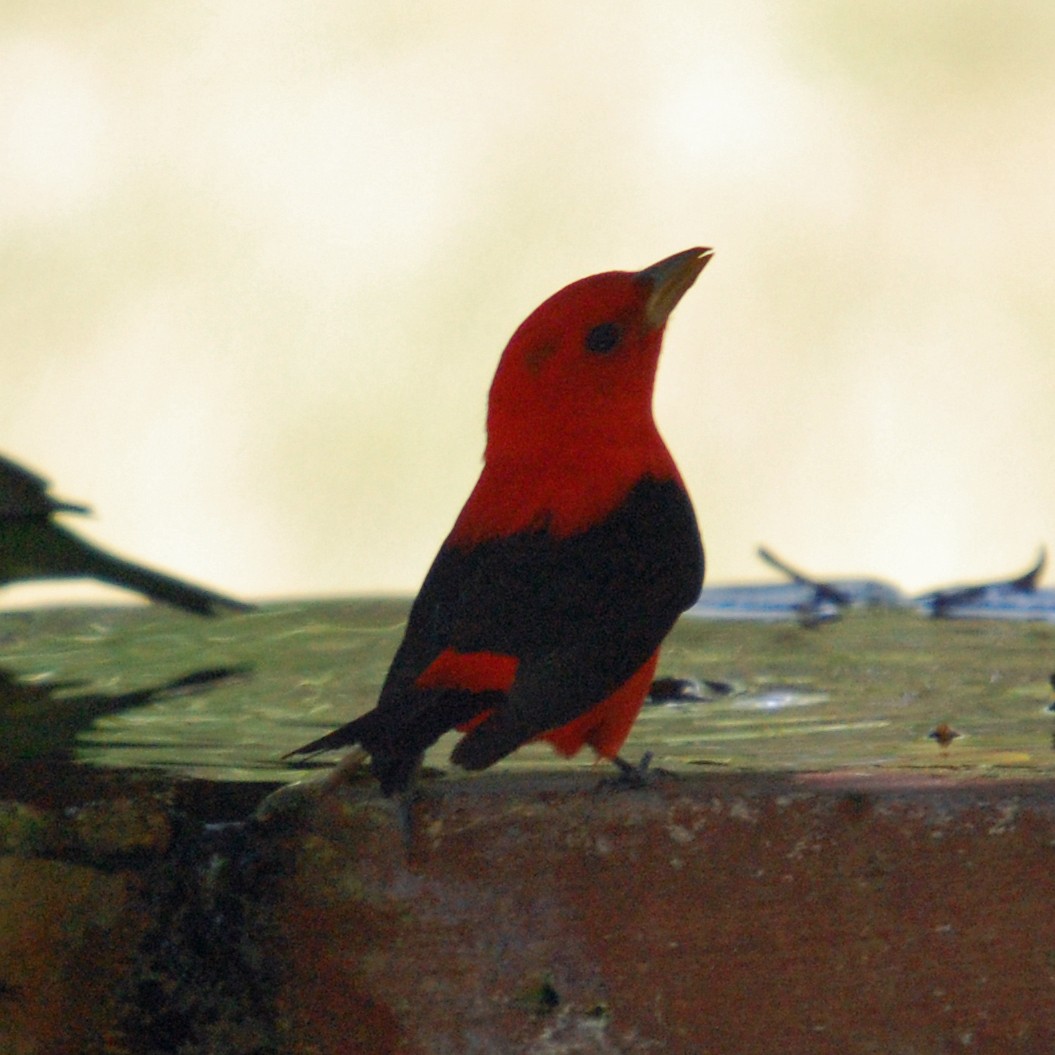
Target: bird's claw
[{"x": 635, "y": 777}]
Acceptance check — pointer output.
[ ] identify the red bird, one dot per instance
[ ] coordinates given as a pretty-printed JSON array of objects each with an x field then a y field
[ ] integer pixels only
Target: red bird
[{"x": 542, "y": 615}]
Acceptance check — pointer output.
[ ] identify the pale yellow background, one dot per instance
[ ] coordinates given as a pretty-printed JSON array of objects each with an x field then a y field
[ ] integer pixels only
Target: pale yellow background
[{"x": 259, "y": 260}]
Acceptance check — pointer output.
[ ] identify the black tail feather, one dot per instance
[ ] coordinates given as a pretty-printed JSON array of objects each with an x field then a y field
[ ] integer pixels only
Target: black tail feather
[
  {"x": 396, "y": 738},
  {"x": 346, "y": 736},
  {"x": 490, "y": 742}
]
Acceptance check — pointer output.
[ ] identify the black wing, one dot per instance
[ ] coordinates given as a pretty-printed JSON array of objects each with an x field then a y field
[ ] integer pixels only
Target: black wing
[{"x": 587, "y": 612}]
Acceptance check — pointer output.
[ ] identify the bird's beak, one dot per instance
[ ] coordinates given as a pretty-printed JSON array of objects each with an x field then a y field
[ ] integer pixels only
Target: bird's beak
[{"x": 669, "y": 280}]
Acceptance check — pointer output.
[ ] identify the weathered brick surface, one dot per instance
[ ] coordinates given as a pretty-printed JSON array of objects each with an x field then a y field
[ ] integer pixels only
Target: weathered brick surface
[{"x": 745, "y": 914}]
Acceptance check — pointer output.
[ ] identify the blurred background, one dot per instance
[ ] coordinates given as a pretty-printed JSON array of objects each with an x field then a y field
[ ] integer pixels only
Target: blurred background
[{"x": 259, "y": 260}]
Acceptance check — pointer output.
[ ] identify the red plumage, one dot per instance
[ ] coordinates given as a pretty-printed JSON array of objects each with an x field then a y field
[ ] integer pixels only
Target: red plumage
[{"x": 543, "y": 612}]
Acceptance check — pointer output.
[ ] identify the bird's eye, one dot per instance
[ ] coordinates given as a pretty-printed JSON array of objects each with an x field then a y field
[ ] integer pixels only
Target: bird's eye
[{"x": 603, "y": 338}]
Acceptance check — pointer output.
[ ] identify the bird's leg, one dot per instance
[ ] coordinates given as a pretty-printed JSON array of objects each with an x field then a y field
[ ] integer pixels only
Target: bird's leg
[
  {"x": 405, "y": 797},
  {"x": 405, "y": 811},
  {"x": 405, "y": 801}
]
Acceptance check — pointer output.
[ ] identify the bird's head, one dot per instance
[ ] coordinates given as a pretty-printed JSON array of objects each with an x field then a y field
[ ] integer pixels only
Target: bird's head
[{"x": 580, "y": 370}]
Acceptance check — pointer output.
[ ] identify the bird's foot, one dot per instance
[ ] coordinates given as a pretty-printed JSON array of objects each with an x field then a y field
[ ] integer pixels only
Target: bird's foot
[
  {"x": 343, "y": 772},
  {"x": 293, "y": 800},
  {"x": 288, "y": 803},
  {"x": 634, "y": 777}
]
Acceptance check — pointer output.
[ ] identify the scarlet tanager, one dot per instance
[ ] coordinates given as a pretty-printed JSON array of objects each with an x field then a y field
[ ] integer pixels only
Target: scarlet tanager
[
  {"x": 542, "y": 615},
  {"x": 33, "y": 546}
]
